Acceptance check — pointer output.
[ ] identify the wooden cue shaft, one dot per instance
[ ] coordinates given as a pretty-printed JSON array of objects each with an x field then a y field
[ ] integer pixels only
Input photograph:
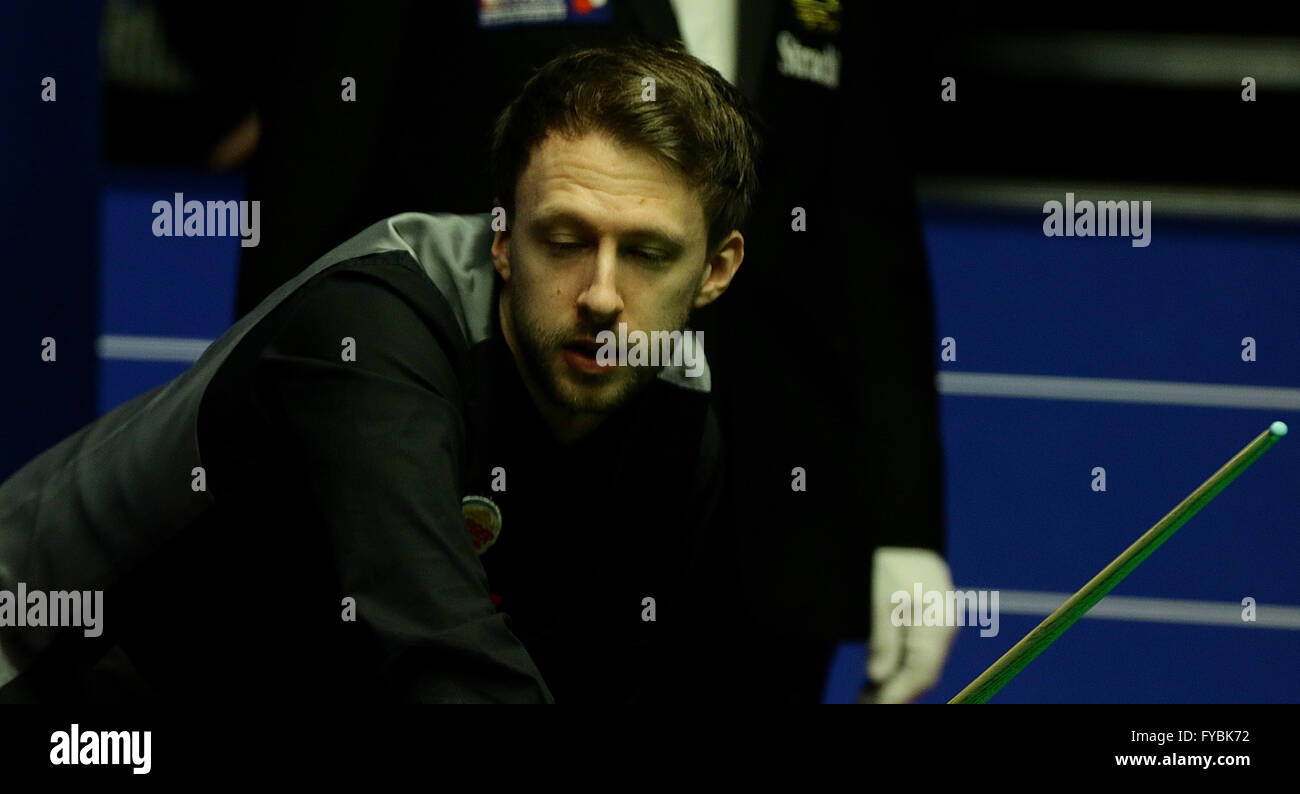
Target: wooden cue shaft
[{"x": 1036, "y": 641}]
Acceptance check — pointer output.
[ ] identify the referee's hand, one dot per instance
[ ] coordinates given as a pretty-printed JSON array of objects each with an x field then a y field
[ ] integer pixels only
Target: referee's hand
[{"x": 904, "y": 662}]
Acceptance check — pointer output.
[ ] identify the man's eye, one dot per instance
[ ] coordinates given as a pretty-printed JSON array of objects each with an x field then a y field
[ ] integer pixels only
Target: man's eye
[
  {"x": 649, "y": 256},
  {"x": 560, "y": 245}
]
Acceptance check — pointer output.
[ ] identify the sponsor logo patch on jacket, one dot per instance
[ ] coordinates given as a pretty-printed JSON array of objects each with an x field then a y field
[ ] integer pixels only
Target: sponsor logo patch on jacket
[{"x": 483, "y": 519}]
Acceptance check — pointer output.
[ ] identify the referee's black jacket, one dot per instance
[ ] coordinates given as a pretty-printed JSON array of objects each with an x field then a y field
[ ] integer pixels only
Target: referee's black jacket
[{"x": 320, "y": 451}]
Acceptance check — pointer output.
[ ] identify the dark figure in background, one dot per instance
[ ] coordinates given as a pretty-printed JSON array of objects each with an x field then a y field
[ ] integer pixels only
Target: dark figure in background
[{"x": 824, "y": 353}]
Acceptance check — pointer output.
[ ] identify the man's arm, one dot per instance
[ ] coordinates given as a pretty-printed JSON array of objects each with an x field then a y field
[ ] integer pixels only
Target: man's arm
[{"x": 381, "y": 441}]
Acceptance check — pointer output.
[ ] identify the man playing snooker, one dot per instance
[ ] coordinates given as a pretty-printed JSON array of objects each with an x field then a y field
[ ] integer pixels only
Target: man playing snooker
[{"x": 288, "y": 518}]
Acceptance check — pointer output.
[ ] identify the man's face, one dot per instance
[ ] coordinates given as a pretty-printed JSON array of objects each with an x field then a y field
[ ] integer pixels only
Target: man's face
[{"x": 603, "y": 234}]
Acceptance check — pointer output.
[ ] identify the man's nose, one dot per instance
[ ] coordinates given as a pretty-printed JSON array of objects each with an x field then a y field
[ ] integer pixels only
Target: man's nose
[{"x": 601, "y": 299}]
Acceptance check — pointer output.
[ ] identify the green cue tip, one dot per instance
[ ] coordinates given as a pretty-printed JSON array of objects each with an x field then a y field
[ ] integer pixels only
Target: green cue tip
[{"x": 1278, "y": 428}]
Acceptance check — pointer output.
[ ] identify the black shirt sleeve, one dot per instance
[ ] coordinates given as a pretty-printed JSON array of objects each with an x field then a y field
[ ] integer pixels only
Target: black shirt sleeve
[{"x": 381, "y": 442}]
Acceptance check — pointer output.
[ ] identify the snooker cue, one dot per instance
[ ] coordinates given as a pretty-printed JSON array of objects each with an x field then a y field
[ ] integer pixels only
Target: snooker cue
[{"x": 1036, "y": 641}]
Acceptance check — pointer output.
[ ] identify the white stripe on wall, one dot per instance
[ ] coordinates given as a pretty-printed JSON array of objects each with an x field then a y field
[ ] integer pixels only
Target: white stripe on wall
[
  {"x": 1051, "y": 387},
  {"x": 1153, "y": 610},
  {"x": 120, "y": 347},
  {"x": 1028, "y": 195}
]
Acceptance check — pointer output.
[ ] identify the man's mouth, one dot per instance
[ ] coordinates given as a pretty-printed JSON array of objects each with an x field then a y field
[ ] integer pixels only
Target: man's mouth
[{"x": 580, "y": 354}]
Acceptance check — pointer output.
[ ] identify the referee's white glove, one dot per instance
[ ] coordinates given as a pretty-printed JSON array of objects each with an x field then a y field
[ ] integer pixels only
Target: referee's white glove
[{"x": 903, "y": 662}]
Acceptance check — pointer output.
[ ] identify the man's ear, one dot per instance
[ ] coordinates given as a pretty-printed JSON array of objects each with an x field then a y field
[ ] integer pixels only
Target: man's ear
[
  {"x": 501, "y": 244},
  {"x": 721, "y": 269}
]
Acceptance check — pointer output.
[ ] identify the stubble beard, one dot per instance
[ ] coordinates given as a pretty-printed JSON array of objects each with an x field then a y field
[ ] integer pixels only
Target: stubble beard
[
  {"x": 543, "y": 353},
  {"x": 574, "y": 392}
]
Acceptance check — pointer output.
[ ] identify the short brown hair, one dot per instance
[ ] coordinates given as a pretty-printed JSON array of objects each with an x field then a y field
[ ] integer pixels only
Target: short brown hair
[{"x": 698, "y": 123}]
